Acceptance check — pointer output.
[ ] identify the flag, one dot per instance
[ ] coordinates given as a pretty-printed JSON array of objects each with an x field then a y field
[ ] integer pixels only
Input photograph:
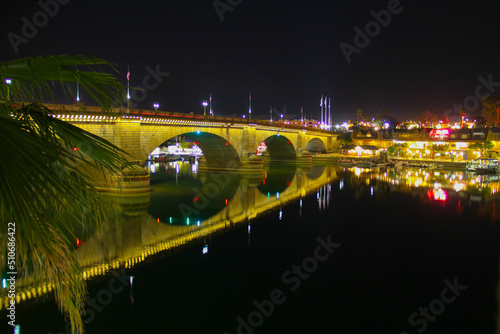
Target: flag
[
  {"x": 321, "y": 103},
  {"x": 128, "y": 75}
]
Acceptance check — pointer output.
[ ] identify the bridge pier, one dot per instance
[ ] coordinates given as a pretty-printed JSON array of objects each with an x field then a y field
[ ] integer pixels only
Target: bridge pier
[{"x": 131, "y": 180}]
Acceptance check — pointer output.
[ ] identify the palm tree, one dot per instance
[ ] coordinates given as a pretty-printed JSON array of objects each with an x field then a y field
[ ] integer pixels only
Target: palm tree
[{"x": 47, "y": 168}]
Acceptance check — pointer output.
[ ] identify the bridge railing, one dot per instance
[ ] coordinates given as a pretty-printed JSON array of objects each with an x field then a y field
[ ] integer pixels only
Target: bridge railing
[{"x": 79, "y": 108}]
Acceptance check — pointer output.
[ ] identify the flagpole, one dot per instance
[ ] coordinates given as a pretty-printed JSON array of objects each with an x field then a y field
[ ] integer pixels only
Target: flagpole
[
  {"x": 211, "y": 111},
  {"x": 271, "y": 113},
  {"x": 330, "y": 112},
  {"x": 302, "y": 114},
  {"x": 321, "y": 105},
  {"x": 250, "y": 105},
  {"x": 326, "y": 112},
  {"x": 128, "y": 87},
  {"x": 78, "y": 88}
]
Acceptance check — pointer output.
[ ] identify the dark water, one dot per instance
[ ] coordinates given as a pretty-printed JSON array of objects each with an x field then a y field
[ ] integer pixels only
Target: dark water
[{"x": 368, "y": 253}]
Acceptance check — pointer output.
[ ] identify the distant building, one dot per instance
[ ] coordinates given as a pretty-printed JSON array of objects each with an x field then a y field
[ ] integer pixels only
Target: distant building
[{"x": 419, "y": 142}]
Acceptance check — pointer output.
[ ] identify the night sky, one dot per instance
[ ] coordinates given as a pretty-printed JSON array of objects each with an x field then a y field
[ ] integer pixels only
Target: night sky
[{"x": 428, "y": 57}]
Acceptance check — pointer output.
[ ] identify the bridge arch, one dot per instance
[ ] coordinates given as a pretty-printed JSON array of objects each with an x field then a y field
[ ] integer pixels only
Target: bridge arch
[
  {"x": 316, "y": 145},
  {"x": 279, "y": 146},
  {"x": 217, "y": 151}
]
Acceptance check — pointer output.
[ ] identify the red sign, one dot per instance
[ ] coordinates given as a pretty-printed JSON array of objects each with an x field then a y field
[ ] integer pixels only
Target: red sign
[{"x": 440, "y": 133}]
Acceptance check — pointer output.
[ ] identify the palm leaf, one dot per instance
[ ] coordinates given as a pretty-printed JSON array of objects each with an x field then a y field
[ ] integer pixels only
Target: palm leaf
[
  {"x": 34, "y": 79},
  {"x": 48, "y": 169}
]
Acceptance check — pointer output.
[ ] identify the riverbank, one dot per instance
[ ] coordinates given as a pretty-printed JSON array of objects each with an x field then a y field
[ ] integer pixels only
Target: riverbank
[{"x": 335, "y": 157}]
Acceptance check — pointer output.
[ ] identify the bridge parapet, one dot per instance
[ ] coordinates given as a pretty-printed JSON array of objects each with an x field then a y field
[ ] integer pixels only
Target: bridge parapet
[{"x": 157, "y": 116}]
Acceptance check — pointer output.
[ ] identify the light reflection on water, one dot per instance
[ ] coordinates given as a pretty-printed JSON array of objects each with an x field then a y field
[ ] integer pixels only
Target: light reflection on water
[
  {"x": 150, "y": 224},
  {"x": 185, "y": 205},
  {"x": 440, "y": 185}
]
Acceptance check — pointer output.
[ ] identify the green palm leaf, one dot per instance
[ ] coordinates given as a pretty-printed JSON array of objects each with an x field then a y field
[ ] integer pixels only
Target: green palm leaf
[
  {"x": 34, "y": 79},
  {"x": 48, "y": 171}
]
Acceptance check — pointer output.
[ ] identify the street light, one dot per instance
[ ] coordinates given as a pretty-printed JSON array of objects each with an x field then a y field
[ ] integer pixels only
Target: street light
[
  {"x": 204, "y": 104},
  {"x": 8, "y": 82},
  {"x": 156, "y": 106},
  {"x": 281, "y": 117}
]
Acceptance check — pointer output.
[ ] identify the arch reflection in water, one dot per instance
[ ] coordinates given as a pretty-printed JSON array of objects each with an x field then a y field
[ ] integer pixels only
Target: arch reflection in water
[
  {"x": 192, "y": 198},
  {"x": 316, "y": 171},
  {"x": 134, "y": 234},
  {"x": 277, "y": 178}
]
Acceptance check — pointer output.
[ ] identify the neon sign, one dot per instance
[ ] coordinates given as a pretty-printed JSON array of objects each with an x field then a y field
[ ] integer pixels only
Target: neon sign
[{"x": 440, "y": 133}]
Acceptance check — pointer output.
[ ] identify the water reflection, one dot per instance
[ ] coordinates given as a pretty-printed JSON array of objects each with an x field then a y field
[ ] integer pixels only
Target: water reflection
[
  {"x": 323, "y": 197},
  {"x": 149, "y": 223},
  {"x": 441, "y": 186},
  {"x": 276, "y": 179},
  {"x": 191, "y": 197},
  {"x": 183, "y": 205}
]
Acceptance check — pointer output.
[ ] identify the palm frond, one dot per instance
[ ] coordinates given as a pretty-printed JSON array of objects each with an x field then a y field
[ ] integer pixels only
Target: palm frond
[
  {"x": 49, "y": 169},
  {"x": 35, "y": 78}
]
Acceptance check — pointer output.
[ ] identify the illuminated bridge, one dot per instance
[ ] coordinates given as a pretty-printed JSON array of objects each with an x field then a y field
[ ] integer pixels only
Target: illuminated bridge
[{"x": 225, "y": 141}]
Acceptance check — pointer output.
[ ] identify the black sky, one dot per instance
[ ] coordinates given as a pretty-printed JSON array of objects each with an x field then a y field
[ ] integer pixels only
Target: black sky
[{"x": 286, "y": 52}]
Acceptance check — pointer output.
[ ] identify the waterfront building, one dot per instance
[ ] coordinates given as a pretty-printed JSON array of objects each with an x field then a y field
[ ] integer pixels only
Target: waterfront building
[{"x": 426, "y": 143}]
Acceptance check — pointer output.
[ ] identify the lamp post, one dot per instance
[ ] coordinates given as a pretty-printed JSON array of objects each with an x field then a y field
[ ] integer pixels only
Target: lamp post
[
  {"x": 281, "y": 117},
  {"x": 156, "y": 105},
  {"x": 204, "y": 104},
  {"x": 8, "y": 82}
]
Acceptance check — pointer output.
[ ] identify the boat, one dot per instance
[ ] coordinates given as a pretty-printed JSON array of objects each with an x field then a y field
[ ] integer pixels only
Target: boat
[
  {"x": 163, "y": 157},
  {"x": 366, "y": 164},
  {"x": 483, "y": 166},
  {"x": 346, "y": 163}
]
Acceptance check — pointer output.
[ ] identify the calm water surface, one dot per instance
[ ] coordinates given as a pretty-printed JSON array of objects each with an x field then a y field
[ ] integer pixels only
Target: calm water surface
[{"x": 394, "y": 251}]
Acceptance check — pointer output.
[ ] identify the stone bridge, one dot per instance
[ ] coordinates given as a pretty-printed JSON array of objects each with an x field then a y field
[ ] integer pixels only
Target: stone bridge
[{"x": 223, "y": 140}]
